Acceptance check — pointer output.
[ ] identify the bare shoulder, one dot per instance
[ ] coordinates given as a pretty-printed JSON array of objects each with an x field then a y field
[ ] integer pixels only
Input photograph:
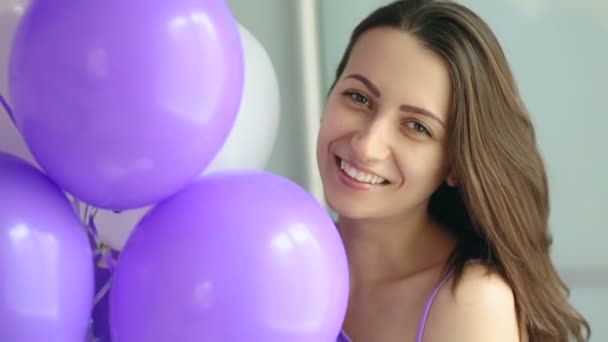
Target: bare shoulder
[{"x": 481, "y": 308}]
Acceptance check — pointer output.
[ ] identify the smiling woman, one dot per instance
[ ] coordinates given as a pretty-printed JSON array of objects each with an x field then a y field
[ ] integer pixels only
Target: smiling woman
[
  {"x": 383, "y": 109},
  {"x": 429, "y": 157}
]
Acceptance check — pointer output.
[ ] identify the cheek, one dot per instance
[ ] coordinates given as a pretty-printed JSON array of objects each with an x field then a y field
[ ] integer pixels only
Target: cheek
[
  {"x": 331, "y": 127},
  {"x": 327, "y": 133},
  {"x": 423, "y": 166}
]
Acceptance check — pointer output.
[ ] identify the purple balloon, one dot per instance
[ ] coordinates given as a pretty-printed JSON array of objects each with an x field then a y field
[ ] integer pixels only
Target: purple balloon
[
  {"x": 46, "y": 269},
  {"x": 123, "y": 103},
  {"x": 238, "y": 256}
]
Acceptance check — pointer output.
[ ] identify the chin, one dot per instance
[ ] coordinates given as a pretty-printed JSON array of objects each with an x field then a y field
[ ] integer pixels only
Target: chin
[{"x": 350, "y": 208}]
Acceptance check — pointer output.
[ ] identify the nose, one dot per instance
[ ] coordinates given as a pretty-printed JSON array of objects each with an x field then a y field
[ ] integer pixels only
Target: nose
[{"x": 370, "y": 143}]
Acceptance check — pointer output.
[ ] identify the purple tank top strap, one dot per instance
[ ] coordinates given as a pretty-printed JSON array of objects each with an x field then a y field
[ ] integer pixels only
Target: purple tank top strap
[
  {"x": 429, "y": 304},
  {"x": 343, "y": 337},
  {"x": 431, "y": 299}
]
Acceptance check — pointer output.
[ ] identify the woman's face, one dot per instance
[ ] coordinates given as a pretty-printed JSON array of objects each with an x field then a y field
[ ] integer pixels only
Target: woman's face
[{"x": 381, "y": 149}]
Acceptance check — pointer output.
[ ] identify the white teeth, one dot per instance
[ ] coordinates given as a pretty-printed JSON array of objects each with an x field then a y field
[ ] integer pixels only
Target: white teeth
[{"x": 359, "y": 175}]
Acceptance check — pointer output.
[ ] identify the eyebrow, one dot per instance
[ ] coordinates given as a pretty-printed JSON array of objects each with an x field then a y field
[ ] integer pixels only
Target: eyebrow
[
  {"x": 404, "y": 107},
  {"x": 367, "y": 83},
  {"x": 421, "y": 111}
]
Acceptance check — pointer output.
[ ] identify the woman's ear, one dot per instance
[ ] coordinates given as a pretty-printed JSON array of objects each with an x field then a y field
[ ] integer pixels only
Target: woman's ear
[{"x": 451, "y": 180}]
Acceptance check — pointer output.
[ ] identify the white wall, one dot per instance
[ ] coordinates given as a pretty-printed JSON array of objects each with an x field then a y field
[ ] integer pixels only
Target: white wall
[{"x": 558, "y": 50}]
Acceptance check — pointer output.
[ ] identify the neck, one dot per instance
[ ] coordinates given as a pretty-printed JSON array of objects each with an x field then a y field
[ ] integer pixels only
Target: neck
[{"x": 385, "y": 250}]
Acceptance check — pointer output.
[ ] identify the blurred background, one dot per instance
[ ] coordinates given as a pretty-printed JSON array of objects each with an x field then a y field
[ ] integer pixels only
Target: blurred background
[{"x": 559, "y": 53}]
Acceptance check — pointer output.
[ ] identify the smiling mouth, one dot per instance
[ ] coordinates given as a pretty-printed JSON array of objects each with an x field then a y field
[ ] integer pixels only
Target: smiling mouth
[{"x": 358, "y": 175}]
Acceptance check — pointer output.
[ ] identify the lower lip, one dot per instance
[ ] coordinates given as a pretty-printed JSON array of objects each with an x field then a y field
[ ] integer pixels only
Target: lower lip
[{"x": 350, "y": 182}]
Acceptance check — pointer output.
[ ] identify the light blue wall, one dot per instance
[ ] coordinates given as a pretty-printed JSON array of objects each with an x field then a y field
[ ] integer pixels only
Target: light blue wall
[{"x": 559, "y": 54}]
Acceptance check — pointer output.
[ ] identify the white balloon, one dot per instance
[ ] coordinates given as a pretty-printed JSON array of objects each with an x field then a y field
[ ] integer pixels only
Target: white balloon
[
  {"x": 250, "y": 143},
  {"x": 248, "y": 146},
  {"x": 11, "y": 12}
]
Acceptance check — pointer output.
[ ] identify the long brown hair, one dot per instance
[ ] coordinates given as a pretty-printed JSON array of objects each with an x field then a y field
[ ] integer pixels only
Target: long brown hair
[{"x": 500, "y": 209}]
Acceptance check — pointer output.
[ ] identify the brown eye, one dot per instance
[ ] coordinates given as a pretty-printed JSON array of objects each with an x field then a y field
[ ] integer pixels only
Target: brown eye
[
  {"x": 418, "y": 128},
  {"x": 358, "y": 98}
]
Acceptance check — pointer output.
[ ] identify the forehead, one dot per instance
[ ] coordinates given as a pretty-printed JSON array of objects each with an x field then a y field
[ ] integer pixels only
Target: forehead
[{"x": 402, "y": 68}]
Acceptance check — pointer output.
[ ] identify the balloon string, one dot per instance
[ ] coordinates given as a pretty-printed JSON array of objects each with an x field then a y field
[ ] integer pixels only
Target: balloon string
[
  {"x": 76, "y": 205},
  {"x": 103, "y": 249},
  {"x": 7, "y": 108},
  {"x": 87, "y": 216},
  {"x": 103, "y": 291}
]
